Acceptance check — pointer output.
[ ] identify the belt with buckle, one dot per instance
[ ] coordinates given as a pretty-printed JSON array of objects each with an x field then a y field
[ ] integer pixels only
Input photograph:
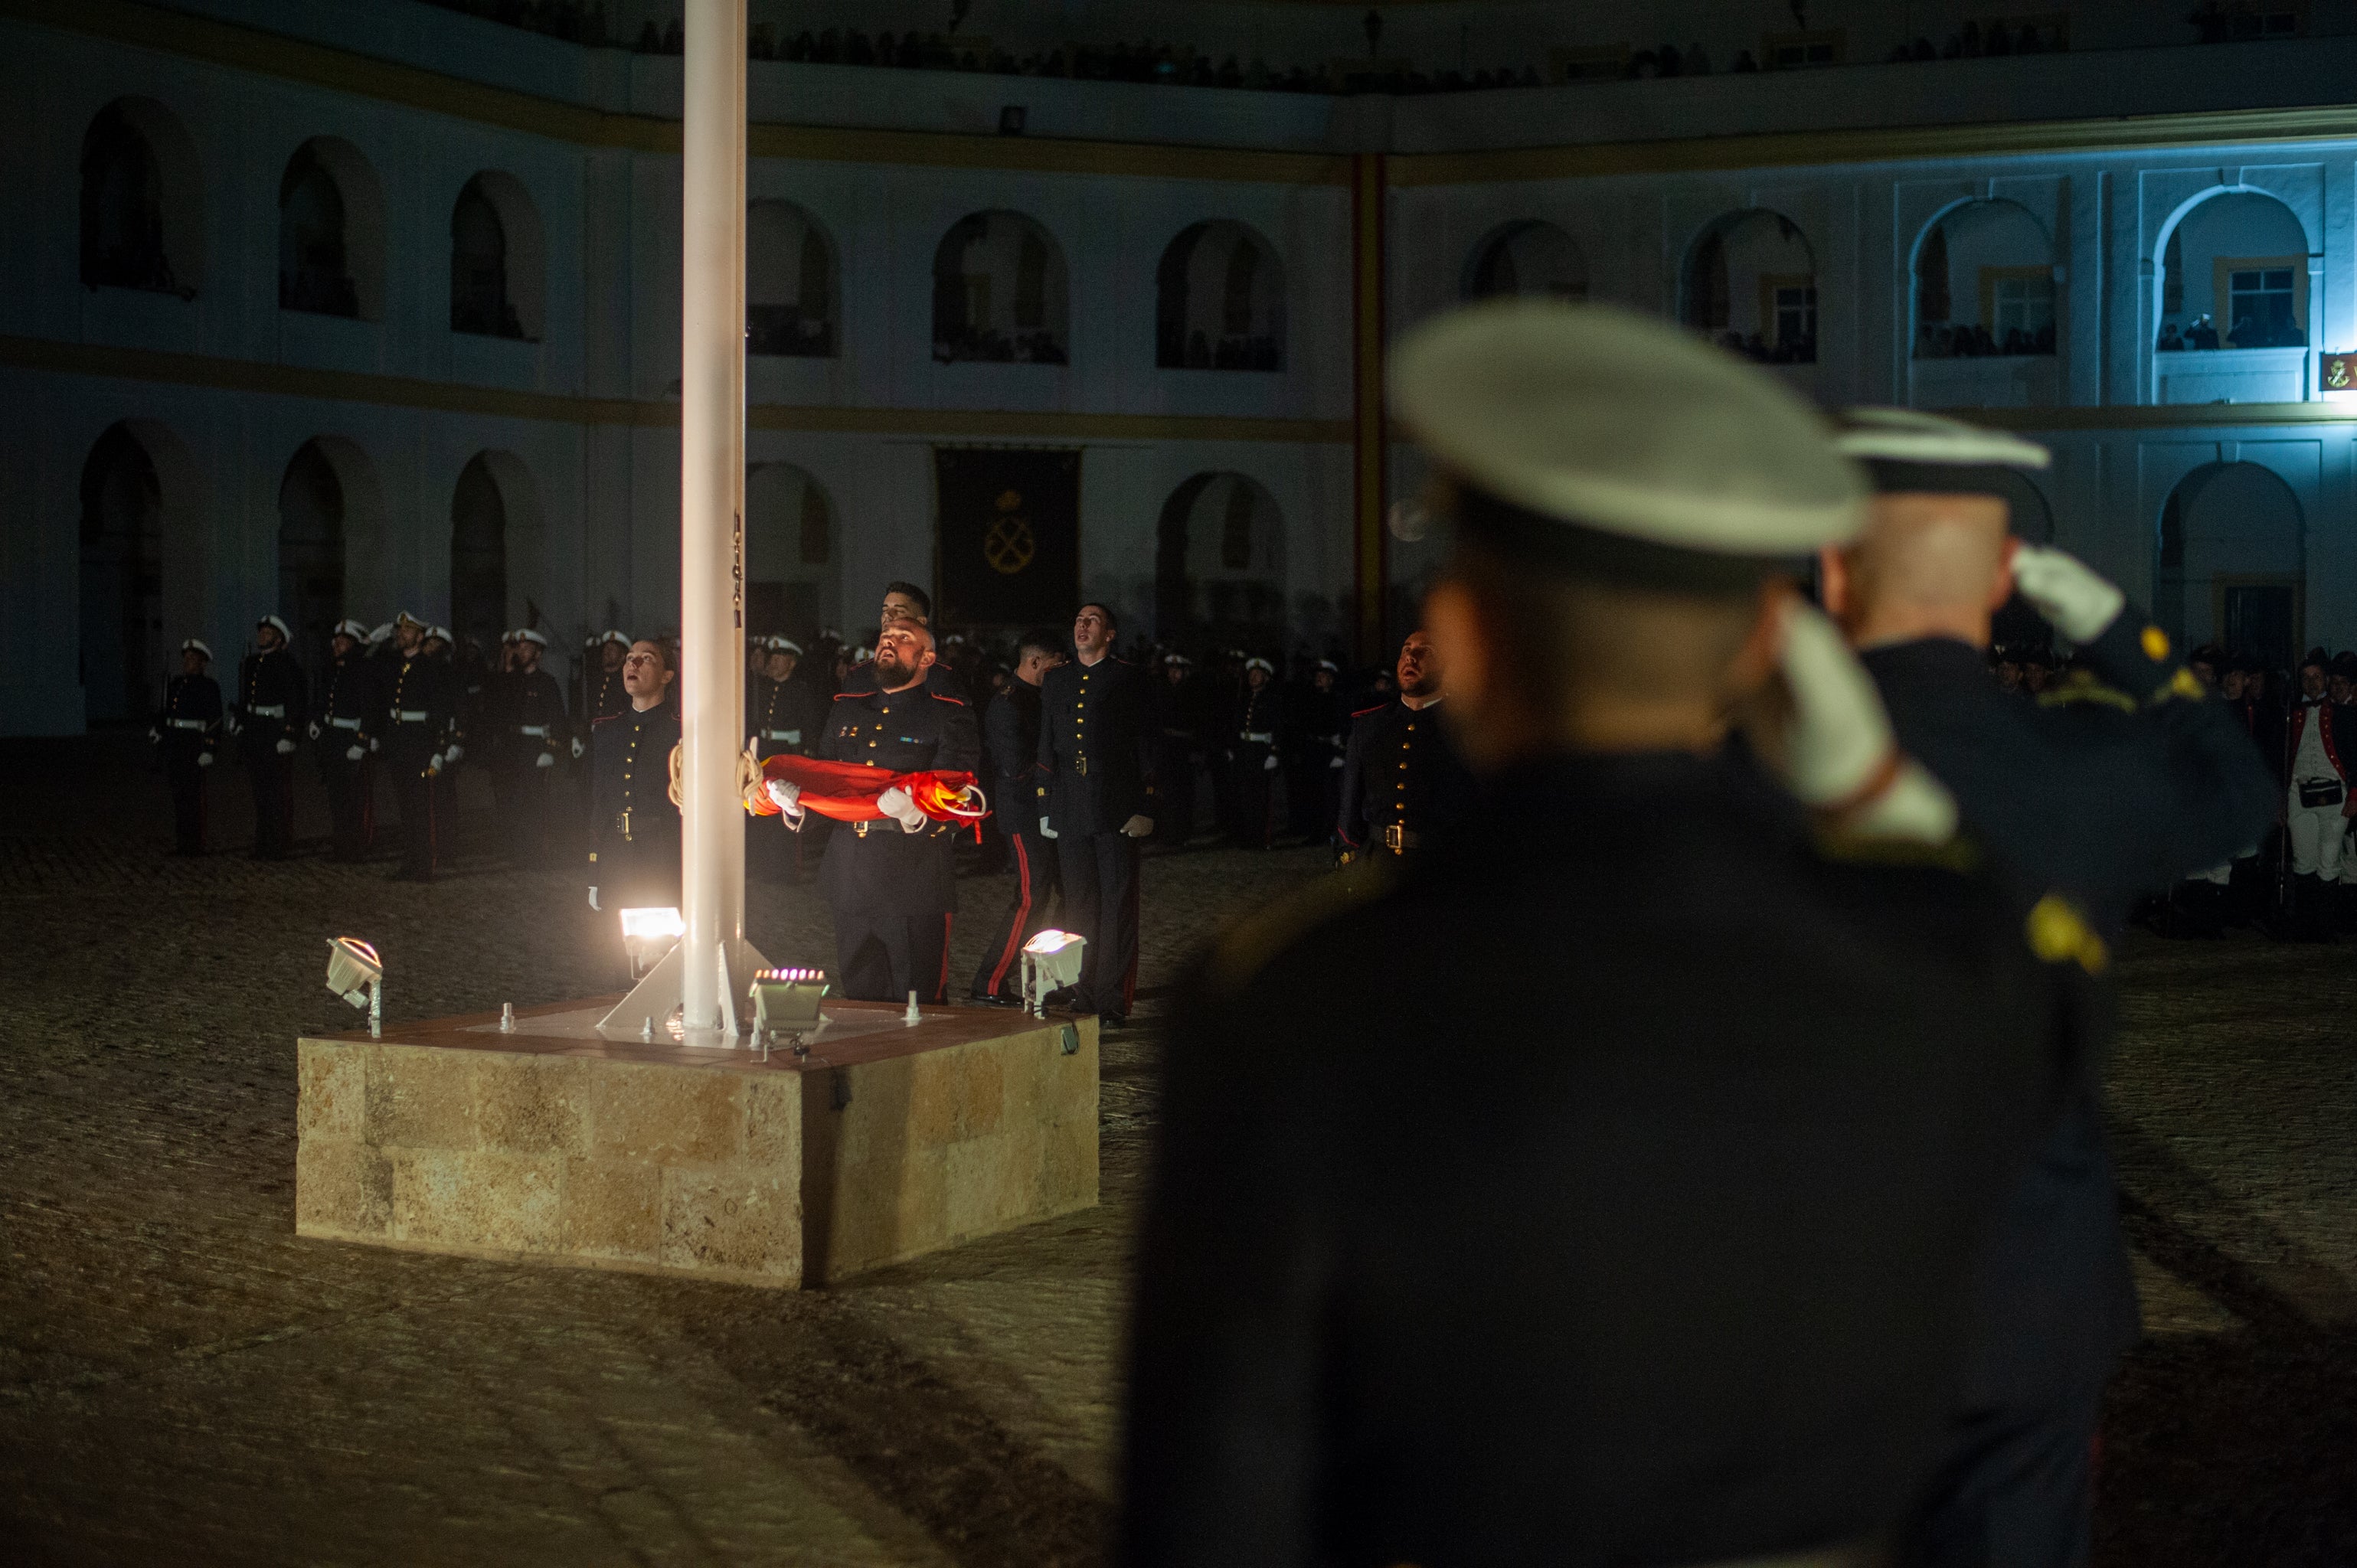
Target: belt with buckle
[
  {"x": 1259, "y": 737},
  {"x": 344, "y": 724},
  {"x": 189, "y": 724},
  {"x": 1081, "y": 766},
  {"x": 791, "y": 737},
  {"x": 276, "y": 711},
  {"x": 411, "y": 715},
  {"x": 538, "y": 731},
  {"x": 1398, "y": 840}
]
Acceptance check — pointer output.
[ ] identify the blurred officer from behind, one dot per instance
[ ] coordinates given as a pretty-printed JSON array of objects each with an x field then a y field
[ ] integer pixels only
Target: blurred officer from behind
[
  {"x": 267, "y": 717},
  {"x": 1670, "y": 1270},
  {"x": 349, "y": 711},
  {"x": 2104, "y": 799},
  {"x": 1402, "y": 776},
  {"x": 1096, "y": 800},
  {"x": 1010, "y": 747},
  {"x": 634, "y": 844},
  {"x": 532, "y": 733},
  {"x": 187, "y": 731}
]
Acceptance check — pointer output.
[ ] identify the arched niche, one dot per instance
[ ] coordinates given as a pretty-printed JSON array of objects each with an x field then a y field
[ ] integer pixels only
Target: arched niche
[
  {"x": 121, "y": 582},
  {"x": 791, "y": 302},
  {"x": 999, "y": 292},
  {"x": 2233, "y": 274},
  {"x": 793, "y": 567},
  {"x": 1750, "y": 284},
  {"x": 1220, "y": 301},
  {"x": 311, "y": 572},
  {"x": 331, "y": 232},
  {"x": 1984, "y": 284},
  {"x": 2232, "y": 562},
  {"x": 498, "y": 566},
  {"x": 498, "y": 263},
  {"x": 1529, "y": 256},
  {"x": 1218, "y": 569},
  {"x": 142, "y": 202}
]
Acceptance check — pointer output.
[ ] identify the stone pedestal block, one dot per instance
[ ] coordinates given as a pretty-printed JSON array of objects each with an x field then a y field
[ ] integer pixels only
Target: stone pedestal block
[{"x": 553, "y": 1145}]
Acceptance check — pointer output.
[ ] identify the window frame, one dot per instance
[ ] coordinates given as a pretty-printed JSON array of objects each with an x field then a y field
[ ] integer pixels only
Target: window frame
[
  {"x": 1772, "y": 317},
  {"x": 1990, "y": 277},
  {"x": 2223, "y": 270}
]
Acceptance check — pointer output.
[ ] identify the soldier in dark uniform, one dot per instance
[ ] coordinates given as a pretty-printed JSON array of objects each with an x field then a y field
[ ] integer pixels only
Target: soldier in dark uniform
[
  {"x": 1313, "y": 768},
  {"x": 351, "y": 714},
  {"x": 634, "y": 828},
  {"x": 892, "y": 882},
  {"x": 1096, "y": 800},
  {"x": 904, "y": 602},
  {"x": 267, "y": 717},
  {"x": 2104, "y": 800},
  {"x": 781, "y": 719},
  {"x": 1010, "y": 747},
  {"x": 416, "y": 719},
  {"x": 1665, "y": 1264},
  {"x": 1255, "y": 744},
  {"x": 186, "y": 732},
  {"x": 462, "y": 693},
  {"x": 1401, "y": 777},
  {"x": 1176, "y": 708},
  {"x": 532, "y": 733}
]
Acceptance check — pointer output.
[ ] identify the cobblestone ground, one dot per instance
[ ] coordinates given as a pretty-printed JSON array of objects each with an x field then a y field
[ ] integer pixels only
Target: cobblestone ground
[{"x": 183, "y": 1381}]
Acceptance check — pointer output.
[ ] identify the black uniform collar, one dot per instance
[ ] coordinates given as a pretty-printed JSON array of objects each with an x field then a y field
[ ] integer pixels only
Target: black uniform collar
[{"x": 1926, "y": 653}]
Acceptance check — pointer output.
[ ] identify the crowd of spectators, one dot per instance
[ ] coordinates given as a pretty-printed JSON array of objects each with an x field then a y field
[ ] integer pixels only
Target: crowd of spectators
[
  {"x": 2249, "y": 332},
  {"x": 1939, "y": 341},
  {"x": 1800, "y": 349}
]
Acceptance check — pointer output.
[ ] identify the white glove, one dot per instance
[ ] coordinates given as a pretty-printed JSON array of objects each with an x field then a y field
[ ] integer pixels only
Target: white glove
[
  {"x": 787, "y": 795},
  {"x": 434, "y": 763},
  {"x": 1333, "y": 762},
  {"x": 355, "y": 752},
  {"x": 593, "y": 900},
  {"x": 1045, "y": 831},
  {"x": 2073, "y": 599},
  {"x": 1137, "y": 827},
  {"x": 204, "y": 759},
  {"x": 452, "y": 754},
  {"x": 285, "y": 749},
  {"x": 578, "y": 748},
  {"x": 1839, "y": 753},
  {"x": 315, "y": 729},
  {"x": 228, "y": 722},
  {"x": 545, "y": 760},
  {"x": 1269, "y": 766},
  {"x": 372, "y": 743},
  {"x": 896, "y": 805},
  {"x": 155, "y": 736}
]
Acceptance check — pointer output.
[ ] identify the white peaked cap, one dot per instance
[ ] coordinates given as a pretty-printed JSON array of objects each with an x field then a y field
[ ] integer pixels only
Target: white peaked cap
[
  {"x": 536, "y": 638},
  {"x": 1903, "y": 436},
  {"x": 1260, "y": 664},
  {"x": 274, "y": 620},
  {"x": 198, "y": 644},
  {"x": 352, "y": 629},
  {"x": 1622, "y": 425}
]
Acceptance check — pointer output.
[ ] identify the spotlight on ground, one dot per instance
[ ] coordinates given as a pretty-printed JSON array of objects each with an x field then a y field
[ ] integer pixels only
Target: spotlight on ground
[
  {"x": 648, "y": 934},
  {"x": 785, "y": 1001},
  {"x": 1052, "y": 961},
  {"x": 353, "y": 970}
]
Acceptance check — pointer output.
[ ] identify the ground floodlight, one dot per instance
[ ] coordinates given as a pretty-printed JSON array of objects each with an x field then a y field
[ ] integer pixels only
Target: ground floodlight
[
  {"x": 648, "y": 934},
  {"x": 785, "y": 1001},
  {"x": 353, "y": 969},
  {"x": 1050, "y": 961}
]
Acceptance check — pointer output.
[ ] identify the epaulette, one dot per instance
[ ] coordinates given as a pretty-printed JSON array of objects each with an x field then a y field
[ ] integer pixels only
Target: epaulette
[
  {"x": 1959, "y": 853},
  {"x": 1245, "y": 947},
  {"x": 2058, "y": 933},
  {"x": 1378, "y": 708},
  {"x": 2080, "y": 687}
]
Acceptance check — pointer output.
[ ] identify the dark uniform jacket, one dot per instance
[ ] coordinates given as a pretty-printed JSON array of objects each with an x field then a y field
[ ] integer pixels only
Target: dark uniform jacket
[
  {"x": 2103, "y": 799},
  {"x": 882, "y": 870},
  {"x": 270, "y": 701},
  {"x": 523, "y": 701},
  {"x": 603, "y": 695},
  {"x": 350, "y": 711},
  {"x": 1595, "y": 1192},
  {"x": 189, "y": 725},
  {"x": 633, "y": 826},
  {"x": 1010, "y": 745},
  {"x": 419, "y": 709},
  {"x": 1401, "y": 777},
  {"x": 1096, "y": 746},
  {"x": 782, "y": 716},
  {"x": 1256, "y": 720}
]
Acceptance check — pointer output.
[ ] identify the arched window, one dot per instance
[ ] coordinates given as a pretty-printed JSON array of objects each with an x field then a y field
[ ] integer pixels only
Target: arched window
[
  {"x": 790, "y": 293},
  {"x": 2235, "y": 275},
  {"x": 479, "y": 556},
  {"x": 791, "y": 579},
  {"x": 1220, "y": 301},
  {"x": 1985, "y": 285},
  {"x": 1220, "y": 563},
  {"x": 999, "y": 292},
  {"x": 121, "y": 582},
  {"x": 140, "y": 194},
  {"x": 1751, "y": 284},
  {"x": 479, "y": 268},
  {"x": 2231, "y": 553},
  {"x": 330, "y": 232},
  {"x": 311, "y": 549},
  {"x": 1530, "y": 256}
]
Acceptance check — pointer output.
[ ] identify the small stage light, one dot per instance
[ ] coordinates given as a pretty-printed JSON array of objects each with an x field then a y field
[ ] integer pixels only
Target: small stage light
[
  {"x": 785, "y": 1001},
  {"x": 1050, "y": 960},
  {"x": 648, "y": 934},
  {"x": 353, "y": 969}
]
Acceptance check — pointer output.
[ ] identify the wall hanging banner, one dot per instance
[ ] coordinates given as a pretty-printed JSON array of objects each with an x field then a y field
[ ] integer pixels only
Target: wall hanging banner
[{"x": 1010, "y": 535}]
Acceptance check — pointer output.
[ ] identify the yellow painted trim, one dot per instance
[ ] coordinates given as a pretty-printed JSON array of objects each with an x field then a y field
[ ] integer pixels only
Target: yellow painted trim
[
  {"x": 2161, "y": 416},
  {"x": 1698, "y": 155},
  {"x": 499, "y": 402},
  {"x": 227, "y": 45}
]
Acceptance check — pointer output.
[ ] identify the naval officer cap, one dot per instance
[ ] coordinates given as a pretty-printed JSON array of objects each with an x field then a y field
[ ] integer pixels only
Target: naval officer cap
[
  {"x": 1907, "y": 453},
  {"x": 1611, "y": 443}
]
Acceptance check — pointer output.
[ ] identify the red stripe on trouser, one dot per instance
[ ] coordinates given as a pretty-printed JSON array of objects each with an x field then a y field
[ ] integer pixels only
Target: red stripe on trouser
[
  {"x": 941, "y": 985},
  {"x": 1022, "y": 916},
  {"x": 1129, "y": 976}
]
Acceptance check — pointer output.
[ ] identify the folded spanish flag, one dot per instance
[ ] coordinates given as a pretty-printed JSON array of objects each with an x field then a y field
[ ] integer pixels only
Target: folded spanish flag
[{"x": 847, "y": 790}]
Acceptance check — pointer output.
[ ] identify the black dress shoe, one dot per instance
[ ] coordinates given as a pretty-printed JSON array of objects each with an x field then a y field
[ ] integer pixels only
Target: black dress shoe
[
  {"x": 987, "y": 999},
  {"x": 1113, "y": 1021}
]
